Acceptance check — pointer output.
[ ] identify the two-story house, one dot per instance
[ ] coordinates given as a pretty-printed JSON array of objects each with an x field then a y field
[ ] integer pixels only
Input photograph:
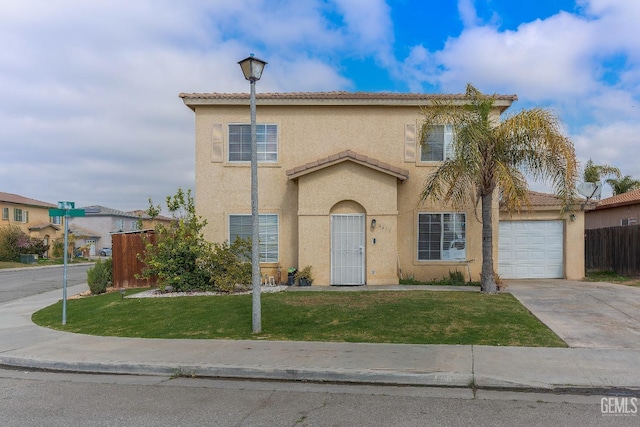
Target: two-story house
[
  {"x": 340, "y": 176},
  {"x": 31, "y": 216}
]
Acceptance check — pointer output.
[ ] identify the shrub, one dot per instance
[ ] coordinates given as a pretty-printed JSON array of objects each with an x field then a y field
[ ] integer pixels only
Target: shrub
[
  {"x": 456, "y": 278},
  {"x": 100, "y": 276},
  {"x": 58, "y": 248},
  {"x": 228, "y": 266},
  {"x": 10, "y": 236},
  {"x": 175, "y": 256}
]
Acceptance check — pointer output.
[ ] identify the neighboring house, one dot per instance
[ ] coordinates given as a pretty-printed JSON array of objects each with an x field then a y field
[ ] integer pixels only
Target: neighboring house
[
  {"x": 623, "y": 209},
  {"x": 147, "y": 222},
  {"x": 95, "y": 228},
  {"x": 340, "y": 176},
  {"x": 31, "y": 216}
]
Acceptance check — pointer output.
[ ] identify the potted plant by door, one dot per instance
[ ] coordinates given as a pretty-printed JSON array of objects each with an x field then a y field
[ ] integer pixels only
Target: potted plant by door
[{"x": 304, "y": 276}]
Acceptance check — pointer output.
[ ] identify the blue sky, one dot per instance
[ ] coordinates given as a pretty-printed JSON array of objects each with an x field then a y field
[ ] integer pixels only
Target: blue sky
[{"x": 90, "y": 112}]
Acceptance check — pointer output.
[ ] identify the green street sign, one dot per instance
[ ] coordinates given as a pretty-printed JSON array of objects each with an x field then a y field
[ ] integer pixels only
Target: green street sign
[{"x": 65, "y": 212}]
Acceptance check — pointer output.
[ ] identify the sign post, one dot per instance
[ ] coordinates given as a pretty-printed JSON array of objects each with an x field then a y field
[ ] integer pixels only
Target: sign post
[{"x": 67, "y": 210}]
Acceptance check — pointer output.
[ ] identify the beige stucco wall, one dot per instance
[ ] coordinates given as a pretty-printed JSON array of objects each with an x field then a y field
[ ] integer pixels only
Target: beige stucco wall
[
  {"x": 37, "y": 215},
  {"x": 573, "y": 237},
  {"x": 370, "y": 192},
  {"x": 308, "y": 133},
  {"x": 611, "y": 217}
]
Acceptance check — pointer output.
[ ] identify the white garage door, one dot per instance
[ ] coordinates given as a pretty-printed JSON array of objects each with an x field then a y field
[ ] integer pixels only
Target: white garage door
[{"x": 531, "y": 250}]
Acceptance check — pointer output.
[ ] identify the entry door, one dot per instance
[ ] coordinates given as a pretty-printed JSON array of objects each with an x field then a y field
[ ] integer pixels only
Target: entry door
[{"x": 347, "y": 249}]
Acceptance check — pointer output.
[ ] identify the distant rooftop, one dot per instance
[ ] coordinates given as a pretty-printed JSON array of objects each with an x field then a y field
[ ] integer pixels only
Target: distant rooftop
[
  {"x": 21, "y": 200},
  {"x": 628, "y": 198}
]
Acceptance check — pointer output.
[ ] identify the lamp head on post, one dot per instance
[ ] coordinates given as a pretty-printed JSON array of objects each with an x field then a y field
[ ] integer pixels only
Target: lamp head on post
[{"x": 252, "y": 68}]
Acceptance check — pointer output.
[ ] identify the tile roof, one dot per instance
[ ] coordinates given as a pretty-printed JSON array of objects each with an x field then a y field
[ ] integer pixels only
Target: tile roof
[
  {"x": 104, "y": 211},
  {"x": 43, "y": 225},
  {"x": 401, "y": 174},
  {"x": 338, "y": 95},
  {"x": 82, "y": 232},
  {"x": 21, "y": 200},
  {"x": 334, "y": 98},
  {"x": 548, "y": 200},
  {"x": 144, "y": 215},
  {"x": 629, "y": 198}
]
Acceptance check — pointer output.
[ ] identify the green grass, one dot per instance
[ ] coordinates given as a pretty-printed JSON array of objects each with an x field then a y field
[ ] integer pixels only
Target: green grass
[
  {"x": 41, "y": 262},
  {"x": 416, "y": 317},
  {"x": 611, "y": 277}
]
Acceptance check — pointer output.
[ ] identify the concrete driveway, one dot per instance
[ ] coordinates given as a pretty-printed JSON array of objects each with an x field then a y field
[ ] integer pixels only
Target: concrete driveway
[{"x": 584, "y": 314}]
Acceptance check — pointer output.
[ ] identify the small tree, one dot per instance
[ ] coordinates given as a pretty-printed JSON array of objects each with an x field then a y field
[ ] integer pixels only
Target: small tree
[
  {"x": 174, "y": 258},
  {"x": 594, "y": 173},
  {"x": 496, "y": 156},
  {"x": 623, "y": 185}
]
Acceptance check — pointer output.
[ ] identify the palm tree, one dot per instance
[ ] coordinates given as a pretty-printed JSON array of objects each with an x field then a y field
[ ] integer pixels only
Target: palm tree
[
  {"x": 593, "y": 173},
  {"x": 623, "y": 185},
  {"x": 492, "y": 155}
]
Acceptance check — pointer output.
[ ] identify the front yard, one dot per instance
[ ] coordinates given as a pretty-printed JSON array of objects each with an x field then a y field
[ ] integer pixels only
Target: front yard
[{"x": 415, "y": 317}]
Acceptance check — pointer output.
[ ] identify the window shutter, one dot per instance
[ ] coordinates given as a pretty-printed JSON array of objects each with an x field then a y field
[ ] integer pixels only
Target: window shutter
[
  {"x": 216, "y": 143},
  {"x": 410, "y": 143}
]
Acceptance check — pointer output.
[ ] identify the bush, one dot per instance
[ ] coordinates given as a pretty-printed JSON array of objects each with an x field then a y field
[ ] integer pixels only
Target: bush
[
  {"x": 227, "y": 265},
  {"x": 100, "y": 276},
  {"x": 175, "y": 257},
  {"x": 10, "y": 236}
]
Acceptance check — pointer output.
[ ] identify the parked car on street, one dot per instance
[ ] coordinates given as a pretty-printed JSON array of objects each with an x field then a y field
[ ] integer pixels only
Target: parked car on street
[{"x": 105, "y": 252}]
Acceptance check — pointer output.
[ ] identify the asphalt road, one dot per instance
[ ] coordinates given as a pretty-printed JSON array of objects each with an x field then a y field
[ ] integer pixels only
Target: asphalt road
[
  {"x": 54, "y": 399},
  {"x": 23, "y": 282}
]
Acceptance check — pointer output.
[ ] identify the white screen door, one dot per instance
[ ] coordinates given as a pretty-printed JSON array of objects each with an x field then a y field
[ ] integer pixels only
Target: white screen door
[{"x": 347, "y": 249}]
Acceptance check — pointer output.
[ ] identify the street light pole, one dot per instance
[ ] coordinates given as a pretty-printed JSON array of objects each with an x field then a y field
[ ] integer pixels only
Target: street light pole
[{"x": 252, "y": 68}]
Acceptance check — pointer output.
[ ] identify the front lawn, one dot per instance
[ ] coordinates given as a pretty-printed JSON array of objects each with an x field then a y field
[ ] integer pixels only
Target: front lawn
[{"x": 416, "y": 317}]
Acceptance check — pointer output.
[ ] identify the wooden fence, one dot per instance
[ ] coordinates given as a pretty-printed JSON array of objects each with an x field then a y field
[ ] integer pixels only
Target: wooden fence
[
  {"x": 613, "y": 249},
  {"x": 126, "y": 247}
]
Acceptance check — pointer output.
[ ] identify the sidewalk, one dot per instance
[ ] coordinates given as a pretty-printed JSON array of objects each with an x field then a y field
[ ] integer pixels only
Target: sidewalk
[{"x": 579, "y": 370}]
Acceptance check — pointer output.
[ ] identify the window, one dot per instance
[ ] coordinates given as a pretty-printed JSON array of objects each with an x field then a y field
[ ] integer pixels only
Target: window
[
  {"x": 120, "y": 224},
  {"x": 240, "y": 227},
  {"x": 18, "y": 215},
  {"x": 135, "y": 225},
  {"x": 5, "y": 213},
  {"x": 438, "y": 145},
  {"x": 628, "y": 221},
  {"x": 441, "y": 236},
  {"x": 56, "y": 220},
  {"x": 240, "y": 143}
]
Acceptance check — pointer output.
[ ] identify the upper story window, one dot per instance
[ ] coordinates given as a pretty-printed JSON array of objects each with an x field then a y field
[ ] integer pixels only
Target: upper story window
[
  {"x": 135, "y": 225},
  {"x": 240, "y": 142},
  {"x": 120, "y": 224},
  {"x": 5, "y": 213},
  {"x": 441, "y": 236},
  {"x": 20, "y": 215},
  {"x": 57, "y": 220},
  {"x": 438, "y": 145}
]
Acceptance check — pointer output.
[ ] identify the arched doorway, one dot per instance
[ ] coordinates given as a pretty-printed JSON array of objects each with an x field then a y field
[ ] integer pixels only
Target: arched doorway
[{"x": 348, "y": 244}]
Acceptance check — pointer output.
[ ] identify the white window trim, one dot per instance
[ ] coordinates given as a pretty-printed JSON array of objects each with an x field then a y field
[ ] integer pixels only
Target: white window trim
[
  {"x": 277, "y": 152},
  {"x": 277, "y": 233},
  {"x": 442, "y": 241}
]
